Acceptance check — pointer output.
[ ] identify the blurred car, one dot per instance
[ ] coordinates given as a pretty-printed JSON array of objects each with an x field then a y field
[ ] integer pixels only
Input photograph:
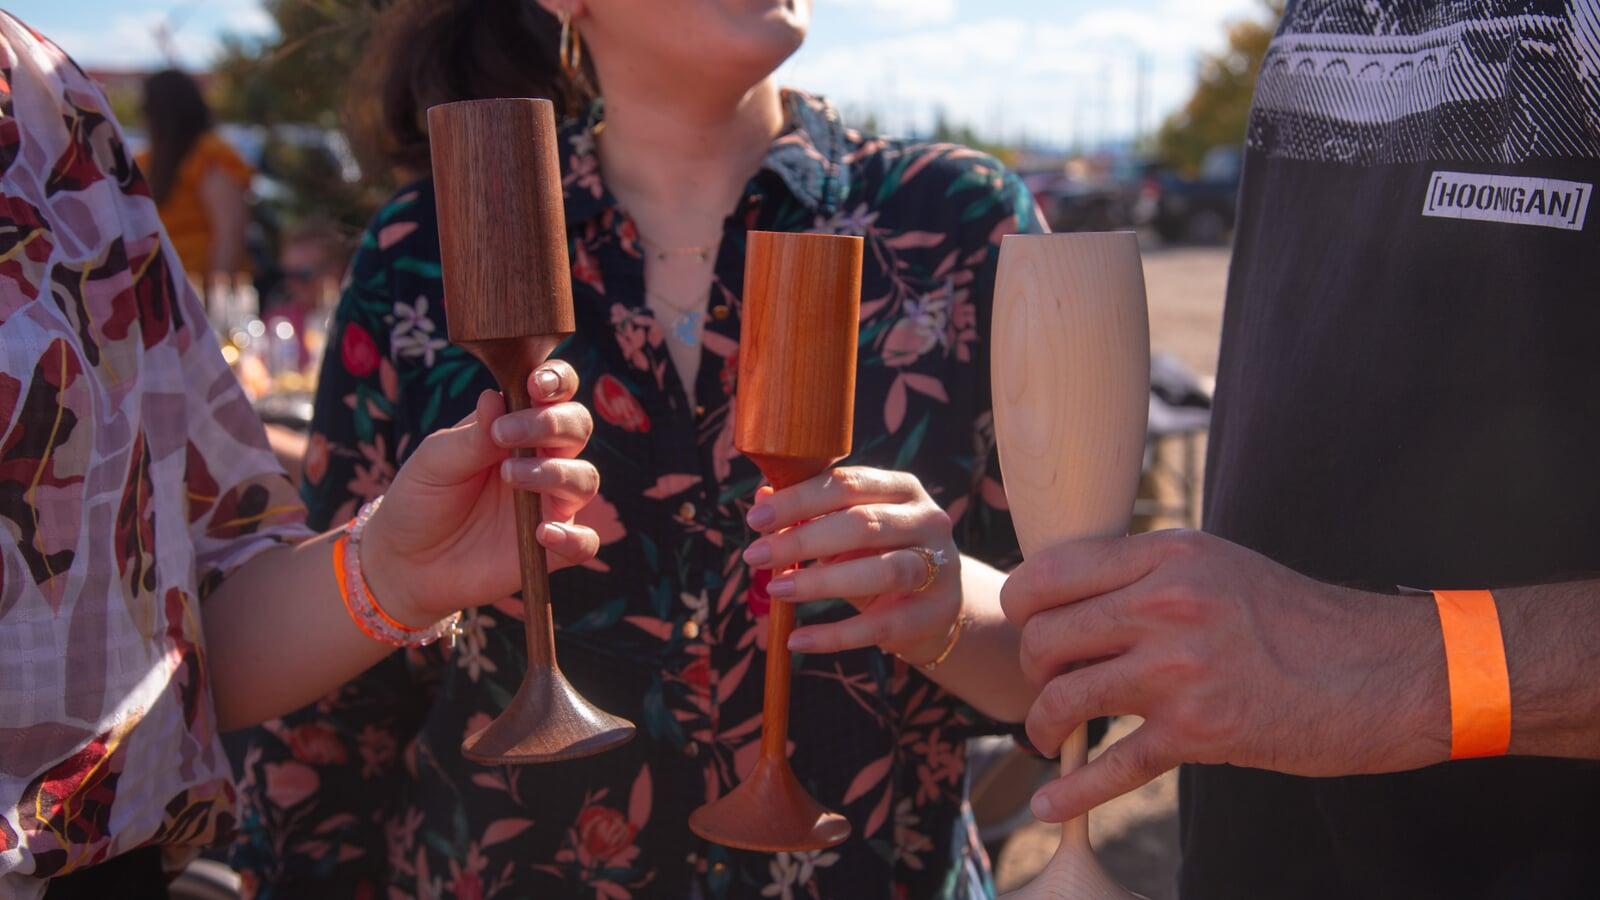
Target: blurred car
[
  {"x": 1197, "y": 210},
  {"x": 1089, "y": 195}
]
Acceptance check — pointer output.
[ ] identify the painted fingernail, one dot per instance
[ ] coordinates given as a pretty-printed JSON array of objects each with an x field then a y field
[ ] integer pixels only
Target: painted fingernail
[
  {"x": 507, "y": 431},
  {"x": 781, "y": 588},
  {"x": 758, "y": 554},
  {"x": 519, "y": 470},
  {"x": 761, "y": 517},
  {"x": 1042, "y": 808},
  {"x": 547, "y": 382},
  {"x": 800, "y": 643}
]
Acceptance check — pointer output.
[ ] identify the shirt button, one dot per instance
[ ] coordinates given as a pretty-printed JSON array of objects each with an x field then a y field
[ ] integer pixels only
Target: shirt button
[
  {"x": 700, "y": 411},
  {"x": 691, "y": 750},
  {"x": 686, "y": 511},
  {"x": 721, "y": 311},
  {"x": 691, "y": 629},
  {"x": 719, "y": 868}
]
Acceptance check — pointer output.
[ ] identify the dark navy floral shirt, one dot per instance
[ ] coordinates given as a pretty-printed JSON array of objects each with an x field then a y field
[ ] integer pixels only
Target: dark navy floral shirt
[{"x": 367, "y": 794}]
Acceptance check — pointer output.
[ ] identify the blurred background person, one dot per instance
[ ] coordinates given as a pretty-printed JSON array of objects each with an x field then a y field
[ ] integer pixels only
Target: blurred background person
[
  {"x": 311, "y": 261},
  {"x": 199, "y": 183}
]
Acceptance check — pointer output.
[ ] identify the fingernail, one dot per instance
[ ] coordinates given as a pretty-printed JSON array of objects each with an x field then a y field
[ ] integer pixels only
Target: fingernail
[
  {"x": 800, "y": 643},
  {"x": 781, "y": 588},
  {"x": 555, "y": 532},
  {"x": 548, "y": 383},
  {"x": 758, "y": 554},
  {"x": 507, "y": 431},
  {"x": 519, "y": 471},
  {"x": 1042, "y": 808},
  {"x": 761, "y": 517}
]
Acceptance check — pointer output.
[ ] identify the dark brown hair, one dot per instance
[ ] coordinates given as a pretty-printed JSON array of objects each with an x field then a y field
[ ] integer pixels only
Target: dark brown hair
[
  {"x": 425, "y": 52},
  {"x": 177, "y": 116}
]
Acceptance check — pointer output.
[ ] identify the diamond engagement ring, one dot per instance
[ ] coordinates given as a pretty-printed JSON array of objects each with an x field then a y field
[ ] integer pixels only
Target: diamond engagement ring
[{"x": 934, "y": 560}]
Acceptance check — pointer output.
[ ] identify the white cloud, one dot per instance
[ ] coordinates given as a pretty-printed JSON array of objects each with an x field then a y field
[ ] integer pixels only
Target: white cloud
[
  {"x": 901, "y": 12},
  {"x": 1074, "y": 79},
  {"x": 129, "y": 39}
]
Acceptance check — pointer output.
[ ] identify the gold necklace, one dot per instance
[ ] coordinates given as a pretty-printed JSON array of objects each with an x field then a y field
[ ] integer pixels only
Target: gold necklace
[{"x": 662, "y": 254}]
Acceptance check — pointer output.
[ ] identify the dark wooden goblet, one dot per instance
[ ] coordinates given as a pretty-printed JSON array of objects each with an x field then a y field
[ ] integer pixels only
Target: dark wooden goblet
[
  {"x": 794, "y": 412},
  {"x": 508, "y": 301}
]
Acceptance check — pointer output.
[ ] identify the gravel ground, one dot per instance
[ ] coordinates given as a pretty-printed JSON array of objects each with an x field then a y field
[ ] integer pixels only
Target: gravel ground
[{"x": 1136, "y": 836}]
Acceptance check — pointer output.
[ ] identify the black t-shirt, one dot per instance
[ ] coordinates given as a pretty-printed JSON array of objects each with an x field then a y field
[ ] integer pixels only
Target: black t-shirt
[{"x": 1409, "y": 394}]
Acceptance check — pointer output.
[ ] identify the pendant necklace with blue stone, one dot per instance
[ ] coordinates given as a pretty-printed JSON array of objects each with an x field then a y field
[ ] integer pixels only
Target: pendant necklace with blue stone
[{"x": 685, "y": 328}]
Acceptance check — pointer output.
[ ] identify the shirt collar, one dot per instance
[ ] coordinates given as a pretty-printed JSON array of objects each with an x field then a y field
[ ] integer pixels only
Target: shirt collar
[{"x": 809, "y": 159}]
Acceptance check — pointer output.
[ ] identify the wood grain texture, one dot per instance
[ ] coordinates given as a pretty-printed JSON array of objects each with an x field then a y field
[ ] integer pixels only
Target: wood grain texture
[
  {"x": 794, "y": 412},
  {"x": 508, "y": 301},
  {"x": 1071, "y": 373},
  {"x": 497, "y": 181}
]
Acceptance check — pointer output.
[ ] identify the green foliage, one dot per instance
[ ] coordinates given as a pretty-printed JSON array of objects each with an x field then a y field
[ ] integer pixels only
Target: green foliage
[
  {"x": 299, "y": 77},
  {"x": 948, "y": 132},
  {"x": 1218, "y": 111}
]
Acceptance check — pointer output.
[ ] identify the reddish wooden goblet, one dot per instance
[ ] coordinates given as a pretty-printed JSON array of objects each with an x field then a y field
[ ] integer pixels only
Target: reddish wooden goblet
[
  {"x": 793, "y": 418},
  {"x": 508, "y": 301}
]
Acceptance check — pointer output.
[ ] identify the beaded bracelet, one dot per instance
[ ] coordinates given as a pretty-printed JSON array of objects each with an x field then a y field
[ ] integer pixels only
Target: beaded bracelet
[{"x": 363, "y": 607}]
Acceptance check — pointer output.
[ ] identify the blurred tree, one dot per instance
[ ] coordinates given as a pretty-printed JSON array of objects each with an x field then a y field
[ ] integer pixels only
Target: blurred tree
[
  {"x": 294, "y": 79},
  {"x": 945, "y": 131},
  {"x": 1219, "y": 109}
]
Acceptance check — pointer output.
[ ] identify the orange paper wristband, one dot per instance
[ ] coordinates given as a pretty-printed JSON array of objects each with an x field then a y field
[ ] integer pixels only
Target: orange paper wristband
[{"x": 1480, "y": 686}]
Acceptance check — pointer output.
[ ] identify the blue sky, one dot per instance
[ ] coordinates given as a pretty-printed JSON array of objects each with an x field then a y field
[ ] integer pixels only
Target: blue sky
[{"x": 1057, "y": 71}]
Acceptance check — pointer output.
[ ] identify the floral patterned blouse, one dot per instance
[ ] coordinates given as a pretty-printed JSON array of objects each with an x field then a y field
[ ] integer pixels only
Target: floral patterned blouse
[
  {"x": 133, "y": 477},
  {"x": 368, "y": 791}
]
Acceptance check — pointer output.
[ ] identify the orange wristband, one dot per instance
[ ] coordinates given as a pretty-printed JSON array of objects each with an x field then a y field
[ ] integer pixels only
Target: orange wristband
[{"x": 1480, "y": 686}]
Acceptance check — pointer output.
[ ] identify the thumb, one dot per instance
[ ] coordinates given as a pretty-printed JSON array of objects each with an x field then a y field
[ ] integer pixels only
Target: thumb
[{"x": 453, "y": 455}]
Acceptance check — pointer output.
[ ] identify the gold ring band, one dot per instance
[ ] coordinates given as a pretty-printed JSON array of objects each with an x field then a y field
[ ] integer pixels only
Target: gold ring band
[{"x": 934, "y": 561}]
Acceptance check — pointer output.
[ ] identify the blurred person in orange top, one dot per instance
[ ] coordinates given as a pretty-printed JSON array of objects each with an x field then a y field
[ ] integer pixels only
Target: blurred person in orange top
[{"x": 197, "y": 180}]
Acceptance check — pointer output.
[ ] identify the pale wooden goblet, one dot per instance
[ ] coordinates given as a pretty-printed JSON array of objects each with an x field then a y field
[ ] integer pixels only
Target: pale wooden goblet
[{"x": 1071, "y": 401}]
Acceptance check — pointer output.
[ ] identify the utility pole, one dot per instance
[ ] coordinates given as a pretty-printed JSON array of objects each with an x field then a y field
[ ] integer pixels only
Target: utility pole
[{"x": 1141, "y": 96}]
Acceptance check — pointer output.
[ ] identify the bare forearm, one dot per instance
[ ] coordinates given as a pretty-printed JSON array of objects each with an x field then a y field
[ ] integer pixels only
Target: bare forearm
[
  {"x": 278, "y": 636},
  {"x": 983, "y": 669},
  {"x": 1552, "y": 635}
]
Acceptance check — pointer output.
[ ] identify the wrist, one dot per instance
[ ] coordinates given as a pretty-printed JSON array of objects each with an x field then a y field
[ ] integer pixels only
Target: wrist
[
  {"x": 932, "y": 650},
  {"x": 1413, "y": 698},
  {"x": 384, "y": 570}
]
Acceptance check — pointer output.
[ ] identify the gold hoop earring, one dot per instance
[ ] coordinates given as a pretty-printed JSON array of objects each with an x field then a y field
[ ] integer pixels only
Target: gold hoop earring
[{"x": 571, "y": 49}]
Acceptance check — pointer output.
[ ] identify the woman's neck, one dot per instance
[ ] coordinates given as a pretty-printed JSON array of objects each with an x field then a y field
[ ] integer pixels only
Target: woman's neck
[{"x": 689, "y": 154}]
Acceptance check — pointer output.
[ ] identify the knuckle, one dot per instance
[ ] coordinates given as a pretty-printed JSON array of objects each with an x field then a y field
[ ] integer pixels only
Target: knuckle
[
  {"x": 1061, "y": 700},
  {"x": 868, "y": 522},
  {"x": 1129, "y": 758},
  {"x": 591, "y": 477},
  {"x": 1036, "y": 643},
  {"x": 879, "y": 631},
  {"x": 788, "y": 546},
  {"x": 846, "y": 481},
  {"x": 1181, "y": 600},
  {"x": 1182, "y": 543}
]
